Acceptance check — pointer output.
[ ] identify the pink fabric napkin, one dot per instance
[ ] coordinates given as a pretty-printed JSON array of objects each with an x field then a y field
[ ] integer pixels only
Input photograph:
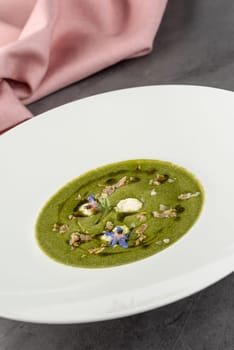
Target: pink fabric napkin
[{"x": 48, "y": 44}]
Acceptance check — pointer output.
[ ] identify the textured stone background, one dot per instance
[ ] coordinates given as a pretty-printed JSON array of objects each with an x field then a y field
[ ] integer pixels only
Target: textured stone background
[{"x": 195, "y": 45}]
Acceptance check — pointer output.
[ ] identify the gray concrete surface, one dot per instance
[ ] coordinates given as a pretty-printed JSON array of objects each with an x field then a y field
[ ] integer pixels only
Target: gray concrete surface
[{"x": 195, "y": 45}]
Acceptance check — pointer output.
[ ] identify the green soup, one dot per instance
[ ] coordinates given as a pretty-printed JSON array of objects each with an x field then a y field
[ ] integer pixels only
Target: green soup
[{"x": 119, "y": 213}]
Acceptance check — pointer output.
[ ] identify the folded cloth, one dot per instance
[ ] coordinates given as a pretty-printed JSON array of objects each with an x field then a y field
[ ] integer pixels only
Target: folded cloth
[{"x": 46, "y": 45}]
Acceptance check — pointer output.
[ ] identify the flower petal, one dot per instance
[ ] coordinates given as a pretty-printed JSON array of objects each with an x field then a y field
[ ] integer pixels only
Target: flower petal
[
  {"x": 114, "y": 241},
  {"x": 123, "y": 243},
  {"x": 109, "y": 233}
]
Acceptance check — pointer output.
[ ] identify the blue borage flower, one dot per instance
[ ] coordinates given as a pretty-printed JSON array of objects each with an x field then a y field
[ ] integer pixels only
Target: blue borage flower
[{"x": 118, "y": 236}]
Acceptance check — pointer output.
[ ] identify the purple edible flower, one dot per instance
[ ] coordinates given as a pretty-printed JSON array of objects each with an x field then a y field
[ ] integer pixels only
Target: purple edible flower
[
  {"x": 121, "y": 241},
  {"x": 118, "y": 237}
]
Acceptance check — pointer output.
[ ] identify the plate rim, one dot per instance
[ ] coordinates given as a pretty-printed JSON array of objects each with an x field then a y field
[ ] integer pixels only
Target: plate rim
[{"x": 225, "y": 261}]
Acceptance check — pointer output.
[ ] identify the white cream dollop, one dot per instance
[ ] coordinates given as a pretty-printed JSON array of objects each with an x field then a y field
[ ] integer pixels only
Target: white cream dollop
[{"x": 128, "y": 205}]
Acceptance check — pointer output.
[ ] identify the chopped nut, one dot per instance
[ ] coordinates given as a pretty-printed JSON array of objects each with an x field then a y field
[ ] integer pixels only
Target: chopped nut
[
  {"x": 78, "y": 197},
  {"x": 140, "y": 234},
  {"x": 153, "y": 192},
  {"x": 96, "y": 250},
  {"x": 101, "y": 196},
  {"x": 110, "y": 189},
  {"x": 163, "y": 207},
  {"x": 55, "y": 228},
  {"x": 189, "y": 195},
  {"x": 159, "y": 242},
  {"x": 77, "y": 238},
  {"x": 109, "y": 225},
  {"x": 133, "y": 179},
  {"x": 140, "y": 239},
  {"x": 85, "y": 238},
  {"x": 171, "y": 180},
  {"x": 158, "y": 180},
  {"x": 121, "y": 182},
  {"x": 60, "y": 228},
  {"x": 158, "y": 215},
  {"x": 71, "y": 217},
  {"x": 166, "y": 240},
  {"x": 141, "y": 216},
  {"x": 63, "y": 228},
  {"x": 169, "y": 213},
  {"x": 141, "y": 228}
]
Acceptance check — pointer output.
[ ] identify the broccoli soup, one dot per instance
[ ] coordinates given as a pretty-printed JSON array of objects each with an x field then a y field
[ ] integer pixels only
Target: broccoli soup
[{"x": 119, "y": 213}]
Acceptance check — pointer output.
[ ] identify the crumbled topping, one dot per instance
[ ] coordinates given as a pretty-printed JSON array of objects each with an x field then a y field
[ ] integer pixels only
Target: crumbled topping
[
  {"x": 60, "y": 228},
  {"x": 121, "y": 182},
  {"x": 71, "y": 217},
  {"x": 140, "y": 234},
  {"x": 141, "y": 216},
  {"x": 63, "y": 228},
  {"x": 158, "y": 179},
  {"x": 55, "y": 228},
  {"x": 163, "y": 207},
  {"x": 133, "y": 179},
  {"x": 165, "y": 240},
  {"x": 141, "y": 228},
  {"x": 78, "y": 197},
  {"x": 189, "y": 195},
  {"x": 109, "y": 226},
  {"x": 153, "y": 192},
  {"x": 140, "y": 239},
  {"x": 111, "y": 188},
  {"x": 169, "y": 213},
  {"x": 77, "y": 238},
  {"x": 96, "y": 250}
]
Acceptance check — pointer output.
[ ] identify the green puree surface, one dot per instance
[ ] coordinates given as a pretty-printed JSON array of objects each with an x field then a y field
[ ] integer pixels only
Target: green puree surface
[{"x": 164, "y": 217}]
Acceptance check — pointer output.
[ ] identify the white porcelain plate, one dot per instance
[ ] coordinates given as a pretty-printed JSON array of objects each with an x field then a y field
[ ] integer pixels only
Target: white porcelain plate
[{"x": 187, "y": 125}]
